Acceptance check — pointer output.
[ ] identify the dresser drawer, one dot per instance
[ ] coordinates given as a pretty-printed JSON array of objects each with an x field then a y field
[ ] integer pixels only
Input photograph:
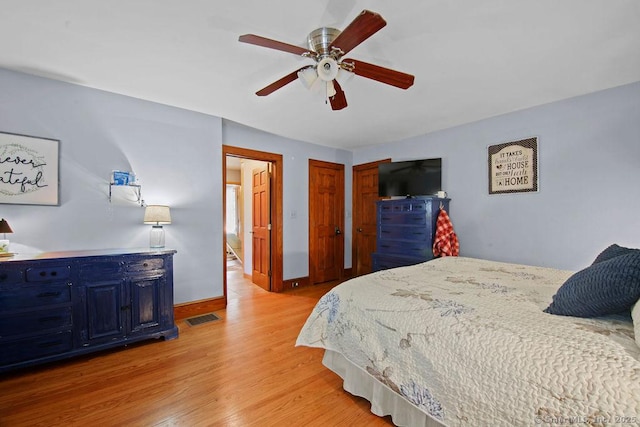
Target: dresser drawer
[
  {"x": 408, "y": 248},
  {"x": 146, "y": 264},
  {"x": 410, "y": 218},
  {"x": 402, "y": 206},
  {"x": 34, "y": 296},
  {"x": 100, "y": 270},
  {"x": 11, "y": 275},
  {"x": 44, "y": 274},
  {"x": 35, "y": 347},
  {"x": 385, "y": 262},
  {"x": 400, "y": 232},
  {"x": 35, "y": 321}
]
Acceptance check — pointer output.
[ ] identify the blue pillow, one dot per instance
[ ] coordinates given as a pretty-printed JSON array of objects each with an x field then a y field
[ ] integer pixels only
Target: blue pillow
[
  {"x": 606, "y": 287},
  {"x": 612, "y": 252}
]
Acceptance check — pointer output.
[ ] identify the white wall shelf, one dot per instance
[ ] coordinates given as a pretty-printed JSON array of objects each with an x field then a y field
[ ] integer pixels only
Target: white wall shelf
[{"x": 125, "y": 194}]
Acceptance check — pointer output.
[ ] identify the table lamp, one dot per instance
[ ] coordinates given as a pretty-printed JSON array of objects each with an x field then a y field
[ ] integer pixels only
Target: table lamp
[
  {"x": 157, "y": 215},
  {"x": 4, "y": 243}
]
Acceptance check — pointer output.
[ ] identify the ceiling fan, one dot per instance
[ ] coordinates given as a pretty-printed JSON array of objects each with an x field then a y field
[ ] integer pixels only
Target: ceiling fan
[{"x": 327, "y": 46}]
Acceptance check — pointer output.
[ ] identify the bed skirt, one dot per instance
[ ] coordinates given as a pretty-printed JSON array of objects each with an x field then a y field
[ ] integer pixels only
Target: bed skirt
[{"x": 384, "y": 401}]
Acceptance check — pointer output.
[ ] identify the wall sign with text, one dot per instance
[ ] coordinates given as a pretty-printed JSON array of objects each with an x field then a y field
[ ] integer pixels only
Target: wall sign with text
[
  {"x": 28, "y": 170},
  {"x": 513, "y": 166}
]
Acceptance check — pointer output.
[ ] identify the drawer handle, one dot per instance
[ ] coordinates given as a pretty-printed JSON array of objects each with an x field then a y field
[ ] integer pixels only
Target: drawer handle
[
  {"x": 49, "y": 294},
  {"x": 52, "y": 274},
  {"x": 49, "y": 319}
]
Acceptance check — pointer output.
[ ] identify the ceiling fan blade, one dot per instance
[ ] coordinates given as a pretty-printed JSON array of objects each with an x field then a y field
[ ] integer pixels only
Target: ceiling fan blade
[
  {"x": 279, "y": 83},
  {"x": 274, "y": 44},
  {"x": 339, "y": 100},
  {"x": 381, "y": 74},
  {"x": 361, "y": 28}
]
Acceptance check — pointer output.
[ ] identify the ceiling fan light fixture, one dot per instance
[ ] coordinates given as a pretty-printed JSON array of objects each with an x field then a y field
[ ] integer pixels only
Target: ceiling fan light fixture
[
  {"x": 331, "y": 89},
  {"x": 308, "y": 76},
  {"x": 344, "y": 76},
  {"x": 327, "y": 69}
]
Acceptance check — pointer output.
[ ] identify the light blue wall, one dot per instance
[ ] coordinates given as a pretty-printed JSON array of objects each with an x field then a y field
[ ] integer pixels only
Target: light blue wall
[
  {"x": 177, "y": 156},
  {"x": 589, "y": 186},
  {"x": 589, "y": 178}
]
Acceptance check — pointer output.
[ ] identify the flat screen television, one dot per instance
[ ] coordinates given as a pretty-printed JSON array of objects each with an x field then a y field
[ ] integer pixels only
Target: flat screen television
[{"x": 410, "y": 178}]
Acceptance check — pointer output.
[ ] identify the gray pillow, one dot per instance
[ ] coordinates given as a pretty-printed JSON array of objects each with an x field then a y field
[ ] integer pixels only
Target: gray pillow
[{"x": 606, "y": 287}]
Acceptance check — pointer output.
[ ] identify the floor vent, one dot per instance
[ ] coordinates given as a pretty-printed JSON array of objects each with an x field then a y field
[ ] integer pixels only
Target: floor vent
[{"x": 205, "y": 318}]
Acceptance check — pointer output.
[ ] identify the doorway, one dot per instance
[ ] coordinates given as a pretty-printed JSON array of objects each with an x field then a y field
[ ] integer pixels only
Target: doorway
[
  {"x": 234, "y": 225},
  {"x": 274, "y": 211}
]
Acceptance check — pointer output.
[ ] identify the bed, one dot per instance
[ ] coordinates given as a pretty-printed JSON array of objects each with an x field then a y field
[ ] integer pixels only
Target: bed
[{"x": 466, "y": 342}]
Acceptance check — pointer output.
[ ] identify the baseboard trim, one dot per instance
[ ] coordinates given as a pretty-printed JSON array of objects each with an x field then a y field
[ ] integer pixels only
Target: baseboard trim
[{"x": 197, "y": 308}]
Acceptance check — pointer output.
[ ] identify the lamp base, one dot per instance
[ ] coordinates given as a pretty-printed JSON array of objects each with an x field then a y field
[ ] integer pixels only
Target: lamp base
[{"x": 156, "y": 238}]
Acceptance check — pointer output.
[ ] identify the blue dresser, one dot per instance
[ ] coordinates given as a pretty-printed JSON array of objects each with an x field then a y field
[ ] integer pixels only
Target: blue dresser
[
  {"x": 405, "y": 231},
  {"x": 57, "y": 305}
]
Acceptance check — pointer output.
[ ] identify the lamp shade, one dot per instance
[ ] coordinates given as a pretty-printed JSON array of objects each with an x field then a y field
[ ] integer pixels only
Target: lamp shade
[
  {"x": 4, "y": 227},
  {"x": 308, "y": 76},
  {"x": 157, "y": 214}
]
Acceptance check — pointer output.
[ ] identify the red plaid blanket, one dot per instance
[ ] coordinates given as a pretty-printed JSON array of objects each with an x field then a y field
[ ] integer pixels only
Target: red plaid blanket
[{"x": 446, "y": 242}]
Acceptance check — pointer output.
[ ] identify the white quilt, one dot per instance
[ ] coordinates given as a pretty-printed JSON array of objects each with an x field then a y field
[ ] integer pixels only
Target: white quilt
[{"x": 466, "y": 341}]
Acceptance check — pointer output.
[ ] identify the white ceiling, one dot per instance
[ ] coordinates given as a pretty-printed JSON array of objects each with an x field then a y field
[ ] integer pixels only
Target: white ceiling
[{"x": 471, "y": 59}]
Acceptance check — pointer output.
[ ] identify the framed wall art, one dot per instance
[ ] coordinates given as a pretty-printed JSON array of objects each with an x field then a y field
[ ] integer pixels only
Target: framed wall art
[
  {"x": 29, "y": 170},
  {"x": 513, "y": 166}
]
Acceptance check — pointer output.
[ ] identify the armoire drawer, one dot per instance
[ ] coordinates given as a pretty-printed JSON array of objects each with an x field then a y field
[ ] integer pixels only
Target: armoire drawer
[
  {"x": 402, "y": 206},
  {"x": 146, "y": 264},
  {"x": 35, "y": 347},
  {"x": 100, "y": 270},
  {"x": 385, "y": 262},
  {"x": 12, "y": 298},
  {"x": 35, "y": 321},
  {"x": 11, "y": 275},
  {"x": 415, "y": 219},
  {"x": 48, "y": 273},
  {"x": 408, "y": 248},
  {"x": 404, "y": 233}
]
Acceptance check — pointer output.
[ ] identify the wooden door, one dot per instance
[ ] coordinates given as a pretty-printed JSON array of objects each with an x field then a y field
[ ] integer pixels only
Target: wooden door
[
  {"x": 261, "y": 227},
  {"x": 326, "y": 221},
  {"x": 365, "y": 195}
]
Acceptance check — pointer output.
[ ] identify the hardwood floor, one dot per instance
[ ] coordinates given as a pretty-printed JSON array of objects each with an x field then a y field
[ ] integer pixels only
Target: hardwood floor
[{"x": 242, "y": 370}]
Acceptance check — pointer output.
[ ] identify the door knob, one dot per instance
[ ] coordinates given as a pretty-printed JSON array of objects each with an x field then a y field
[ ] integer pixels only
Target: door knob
[
  {"x": 338, "y": 230},
  {"x": 359, "y": 230}
]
